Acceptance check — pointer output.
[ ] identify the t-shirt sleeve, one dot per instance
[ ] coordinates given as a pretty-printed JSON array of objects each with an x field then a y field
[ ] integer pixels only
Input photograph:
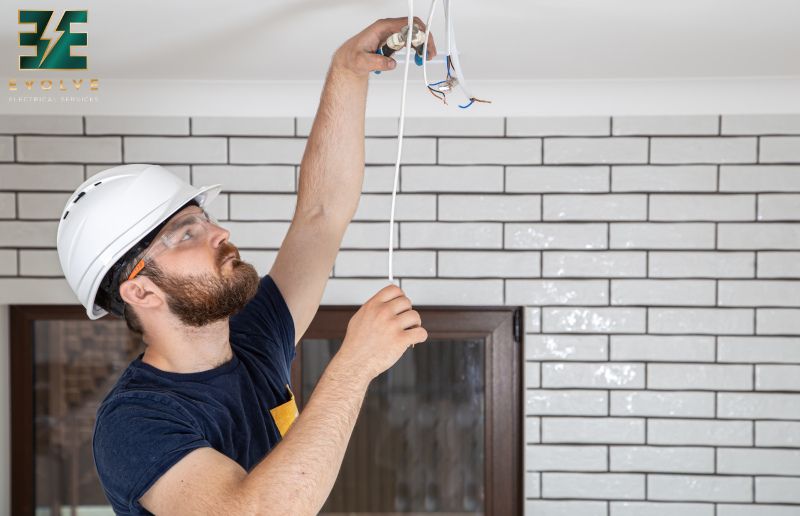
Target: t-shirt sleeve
[
  {"x": 267, "y": 317},
  {"x": 137, "y": 438}
]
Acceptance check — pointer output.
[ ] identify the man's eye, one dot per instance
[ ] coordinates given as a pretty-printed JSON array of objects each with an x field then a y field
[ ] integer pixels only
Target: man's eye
[{"x": 186, "y": 235}]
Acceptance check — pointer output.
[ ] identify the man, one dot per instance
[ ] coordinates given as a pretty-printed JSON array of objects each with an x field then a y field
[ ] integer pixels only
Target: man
[{"x": 204, "y": 421}]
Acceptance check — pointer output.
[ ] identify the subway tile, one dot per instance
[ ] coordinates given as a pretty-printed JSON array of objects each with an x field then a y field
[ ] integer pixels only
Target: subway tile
[
  {"x": 614, "y": 264},
  {"x": 558, "y": 126},
  {"x": 379, "y": 179},
  {"x": 42, "y": 205},
  {"x": 663, "y": 348},
  {"x": 660, "y": 509},
  {"x": 720, "y": 321},
  {"x": 700, "y": 376},
  {"x": 778, "y": 207},
  {"x": 566, "y": 347},
  {"x": 39, "y": 262},
  {"x": 176, "y": 149},
  {"x": 663, "y": 178},
  {"x": 142, "y": 125},
  {"x": 559, "y": 375},
  {"x": 704, "y": 488},
  {"x": 557, "y": 292},
  {"x": 654, "y": 292},
  {"x": 703, "y": 264},
  {"x": 8, "y": 205},
  {"x": 262, "y": 206},
  {"x": 595, "y": 207},
  {"x": 556, "y": 235},
  {"x": 549, "y": 457},
  {"x": 660, "y": 459},
  {"x": 256, "y": 150},
  {"x": 246, "y": 178},
  {"x": 531, "y": 487},
  {"x": 742, "y": 461},
  {"x": 702, "y": 207},
  {"x": 41, "y": 124},
  {"x": 19, "y": 176},
  {"x": 242, "y": 126},
  {"x": 778, "y": 377},
  {"x": 779, "y": 149},
  {"x": 742, "y": 405},
  {"x": 15, "y": 233},
  {"x": 489, "y": 207},
  {"x": 759, "y": 349},
  {"x": 759, "y": 178},
  {"x": 501, "y": 264},
  {"x": 782, "y": 434},
  {"x": 346, "y": 291},
  {"x": 369, "y": 235},
  {"x": 441, "y": 179},
  {"x": 595, "y": 150},
  {"x": 755, "y": 510},
  {"x": 732, "y": 149},
  {"x": 566, "y": 402},
  {"x": 662, "y": 404},
  {"x": 532, "y": 425},
  {"x": 452, "y": 126},
  {"x": 34, "y": 290},
  {"x": 72, "y": 149},
  {"x": 777, "y": 321},
  {"x": 8, "y": 262},
  {"x": 565, "y": 508},
  {"x": 761, "y": 124},
  {"x": 492, "y": 151},
  {"x": 257, "y": 234},
  {"x": 407, "y": 207},
  {"x": 415, "y": 150},
  {"x": 759, "y": 293},
  {"x": 593, "y": 430},
  {"x": 778, "y": 490},
  {"x": 375, "y": 263},
  {"x": 699, "y": 432},
  {"x": 593, "y": 320},
  {"x": 649, "y": 235},
  {"x": 531, "y": 376},
  {"x": 772, "y": 235},
  {"x": 454, "y": 291},
  {"x": 441, "y": 235},
  {"x": 666, "y": 125},
  {"x": 7, "y": 148},
  {"x": 618, "y": 486},
  {"x": 547, "y": 179}
]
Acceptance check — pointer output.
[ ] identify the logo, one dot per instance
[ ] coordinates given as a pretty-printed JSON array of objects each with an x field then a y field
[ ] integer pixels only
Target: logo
[{"x": 53, "y": 46}]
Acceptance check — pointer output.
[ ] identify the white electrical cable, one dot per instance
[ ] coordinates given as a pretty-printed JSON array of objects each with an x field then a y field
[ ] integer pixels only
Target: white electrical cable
[
  {"x": 409, "y": 37},
  {"x": 453, "y": 51},
  {"x": 425, "y": 44}
]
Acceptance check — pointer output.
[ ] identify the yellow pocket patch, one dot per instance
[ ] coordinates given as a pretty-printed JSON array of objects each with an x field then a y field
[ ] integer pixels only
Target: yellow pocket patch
[{"x": 285, "y": 413}]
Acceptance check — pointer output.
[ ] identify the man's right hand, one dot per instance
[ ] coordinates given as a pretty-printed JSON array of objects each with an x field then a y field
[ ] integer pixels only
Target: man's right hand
[{"x": 380, "y": 332}]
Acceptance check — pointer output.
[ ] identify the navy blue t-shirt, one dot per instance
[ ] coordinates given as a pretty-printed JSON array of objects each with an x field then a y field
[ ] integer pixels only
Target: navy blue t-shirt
[{"x": 153, "y": 418}]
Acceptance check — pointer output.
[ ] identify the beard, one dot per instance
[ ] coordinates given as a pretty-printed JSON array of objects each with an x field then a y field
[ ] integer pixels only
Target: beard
[{"x": 200, "y": 299}]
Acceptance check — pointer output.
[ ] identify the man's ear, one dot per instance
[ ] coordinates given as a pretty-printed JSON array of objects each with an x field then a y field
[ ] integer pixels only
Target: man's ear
[{"x": 140, "y": 292}]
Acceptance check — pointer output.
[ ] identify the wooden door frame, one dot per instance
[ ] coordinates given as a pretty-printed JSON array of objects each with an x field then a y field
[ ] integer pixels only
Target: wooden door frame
[{"x": 501, "y": 327}]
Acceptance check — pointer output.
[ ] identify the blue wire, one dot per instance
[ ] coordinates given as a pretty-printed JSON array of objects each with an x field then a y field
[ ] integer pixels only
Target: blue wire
[
  {"x": 471, "y": 101},
  {"x": 436, "y": 83}
]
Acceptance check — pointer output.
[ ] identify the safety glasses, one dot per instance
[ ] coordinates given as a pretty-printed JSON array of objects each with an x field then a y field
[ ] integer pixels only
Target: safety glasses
[{"x": 185, "y": 231}]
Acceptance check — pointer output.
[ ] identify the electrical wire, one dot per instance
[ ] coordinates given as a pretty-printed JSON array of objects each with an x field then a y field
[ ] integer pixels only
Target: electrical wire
[{"x": 409, "y": 37}]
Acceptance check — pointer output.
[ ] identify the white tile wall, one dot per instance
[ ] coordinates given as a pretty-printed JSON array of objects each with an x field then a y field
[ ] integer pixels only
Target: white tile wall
[{"x": 657, "y": 260}]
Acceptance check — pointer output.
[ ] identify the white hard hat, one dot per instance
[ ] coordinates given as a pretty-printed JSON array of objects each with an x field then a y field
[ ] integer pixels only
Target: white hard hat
[{"x": 112, "y": 217}]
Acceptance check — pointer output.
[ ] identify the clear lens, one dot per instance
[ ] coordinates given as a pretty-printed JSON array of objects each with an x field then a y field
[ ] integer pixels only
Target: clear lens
[{"x": 186, "y": 231}]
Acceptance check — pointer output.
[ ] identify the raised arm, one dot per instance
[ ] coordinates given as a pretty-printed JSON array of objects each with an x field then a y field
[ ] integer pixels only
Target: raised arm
[{"x": 331, "y": 173}]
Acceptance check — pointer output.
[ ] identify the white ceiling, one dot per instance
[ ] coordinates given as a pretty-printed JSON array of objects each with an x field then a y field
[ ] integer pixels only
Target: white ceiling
[{"x": 502, "y": 41}]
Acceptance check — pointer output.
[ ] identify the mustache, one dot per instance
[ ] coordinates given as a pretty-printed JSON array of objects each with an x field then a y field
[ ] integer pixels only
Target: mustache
[{"x": 225, "y": 250}]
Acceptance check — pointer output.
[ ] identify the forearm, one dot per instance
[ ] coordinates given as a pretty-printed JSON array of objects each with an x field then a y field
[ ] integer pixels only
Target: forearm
[
  {"x": 299, "y": 473},
  {"x": 332, "y": 168}
]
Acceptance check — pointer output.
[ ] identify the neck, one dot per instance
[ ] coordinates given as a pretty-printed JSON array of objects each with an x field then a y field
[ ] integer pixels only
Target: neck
[{"x": 177, "y": 348}]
